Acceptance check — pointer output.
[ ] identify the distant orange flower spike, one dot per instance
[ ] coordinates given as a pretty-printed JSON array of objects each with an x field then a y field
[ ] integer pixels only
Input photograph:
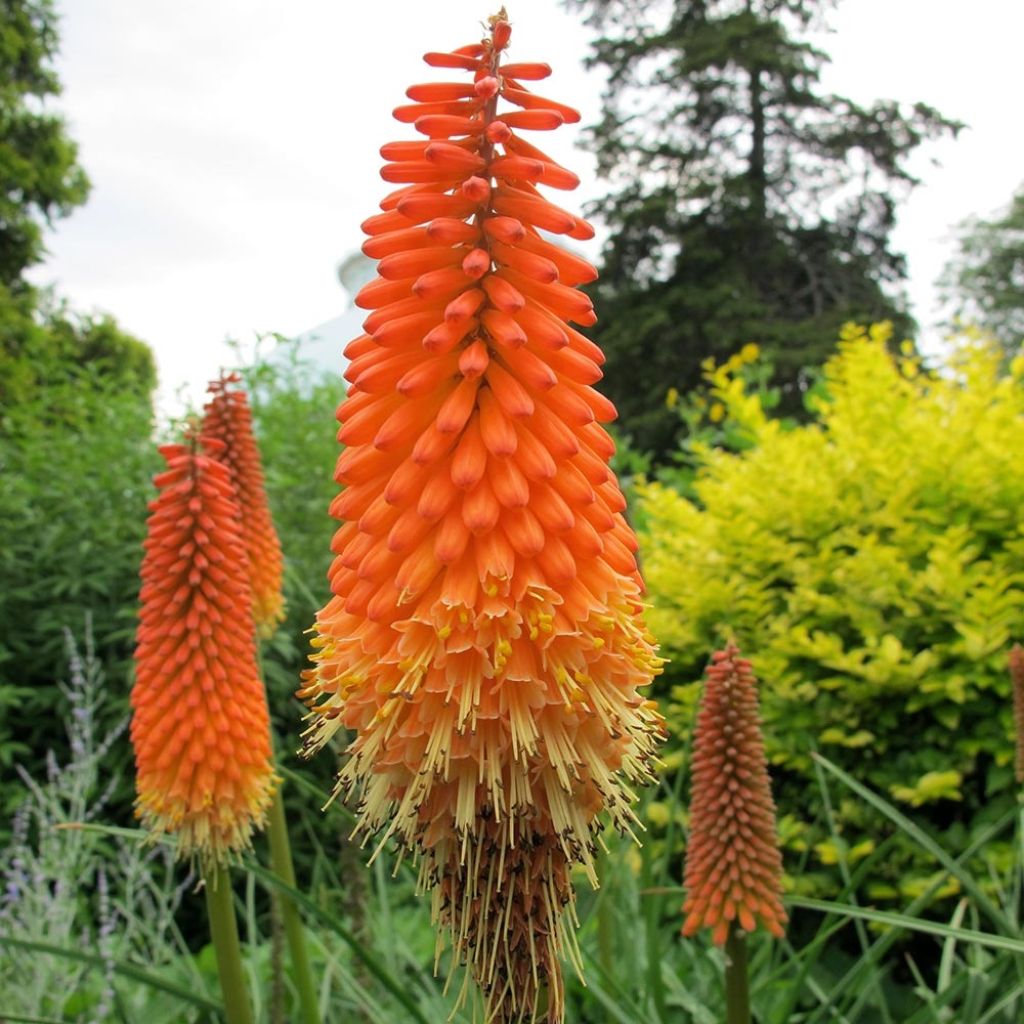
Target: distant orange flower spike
[
  {"x": 485, "y": 640},
  {"x": 227, "y": 419},
  {"x": 200, "y": 727},
  {"x": 1017, "y": 685},
  {"x": 733, "y": 865}
]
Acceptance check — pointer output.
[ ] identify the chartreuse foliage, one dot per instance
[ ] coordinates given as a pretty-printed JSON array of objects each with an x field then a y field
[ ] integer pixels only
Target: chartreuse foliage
[{"x": 872, "y": 562}]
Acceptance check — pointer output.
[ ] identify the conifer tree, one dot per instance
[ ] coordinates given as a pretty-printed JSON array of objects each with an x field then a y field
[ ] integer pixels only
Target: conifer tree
[{"x": 745, "y": 204}]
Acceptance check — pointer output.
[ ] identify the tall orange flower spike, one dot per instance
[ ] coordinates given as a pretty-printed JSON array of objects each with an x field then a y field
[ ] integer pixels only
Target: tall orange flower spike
[
  {"x": 200, "y": 727},
  {"x": 484, "y": 640},
  {"x": 733, "y": 864},
  {"x": 1017, "y": 685},
  {"x": 227, "y": 418}
]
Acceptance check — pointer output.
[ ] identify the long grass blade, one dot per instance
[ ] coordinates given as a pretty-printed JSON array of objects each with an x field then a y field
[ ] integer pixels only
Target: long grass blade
[
  {"x": 373, "y": 965},
  {"x": 916, "y": 924},
  {"x": 883, "y": 943},
  {"x": 925, "y": 841},
  {"x": 122, "y": 967}
]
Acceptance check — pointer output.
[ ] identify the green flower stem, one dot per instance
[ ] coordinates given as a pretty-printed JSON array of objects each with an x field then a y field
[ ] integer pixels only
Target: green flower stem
[
  {"x": 282, "y": 866},
  {"x": 224, "y": 932},
  {"x": 605, "y": 935},
  {"x": 281, "y": 862},
  {"x": 737, "y": 995}
]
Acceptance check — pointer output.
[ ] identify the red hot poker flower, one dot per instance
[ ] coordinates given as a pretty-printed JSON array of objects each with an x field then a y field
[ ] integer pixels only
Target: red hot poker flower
[
  {"x": 227, "y": 418},
  {"x": 733, "y": 864},
  {"x": 1017, "y": 685},
  {"x": 485, "y": 640},
  {"x": 200, "y": 727}
]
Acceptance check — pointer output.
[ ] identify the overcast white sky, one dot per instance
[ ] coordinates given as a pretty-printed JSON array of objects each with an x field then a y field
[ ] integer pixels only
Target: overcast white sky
[{"x": 232, "y": 144}]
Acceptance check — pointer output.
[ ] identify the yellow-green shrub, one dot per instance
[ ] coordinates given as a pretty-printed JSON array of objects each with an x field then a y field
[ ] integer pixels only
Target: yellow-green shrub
[{"x": 872, "y": 564}]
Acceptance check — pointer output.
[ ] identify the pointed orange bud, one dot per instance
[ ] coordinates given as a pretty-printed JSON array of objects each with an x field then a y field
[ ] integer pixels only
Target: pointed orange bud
[
  {"x": 227, "y": 418},
  {"x": 1017, "y": 684},
  {"x": 484, "y": 642},
  {"x": 200, "y": 726},
  {"x": 733, "y": 865}
]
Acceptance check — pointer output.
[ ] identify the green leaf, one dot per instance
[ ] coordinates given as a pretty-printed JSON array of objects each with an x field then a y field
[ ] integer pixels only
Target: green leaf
[
  {"x": 122, "y": 967},
  {"x": 915, "y": 924},
  {"x": 925, "y": 841},
  {"x": 375, "y": 967}
]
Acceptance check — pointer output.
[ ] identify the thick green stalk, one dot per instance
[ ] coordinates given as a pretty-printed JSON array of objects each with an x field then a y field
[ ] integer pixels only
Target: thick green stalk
[
  {"x": 605, "y": 935},
  {"x": 281, "y": 862},
  {"x": 737, "y": 995},
  {"x": 651, "y": 909},
  {"x": 282, "y": 866},
  {"x": 224, "y": 932}
]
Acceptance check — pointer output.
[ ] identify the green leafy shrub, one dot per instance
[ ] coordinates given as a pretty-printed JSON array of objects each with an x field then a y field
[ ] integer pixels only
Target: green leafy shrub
[
  {"x": 72, "y": 515},
  {"x": 871, "y": 562}
]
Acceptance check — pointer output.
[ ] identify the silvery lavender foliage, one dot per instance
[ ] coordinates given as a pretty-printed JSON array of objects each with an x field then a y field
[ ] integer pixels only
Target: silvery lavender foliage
[{"x": 79, "y": 889}]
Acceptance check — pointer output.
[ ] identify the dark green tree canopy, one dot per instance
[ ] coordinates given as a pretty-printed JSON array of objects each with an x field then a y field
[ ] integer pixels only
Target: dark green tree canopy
[
  {"x": 746, "y": 204},
  {"x": 40, "y": 178},
  {"x": 985, "y": 280},
  {"x": 46, "y": 351}
]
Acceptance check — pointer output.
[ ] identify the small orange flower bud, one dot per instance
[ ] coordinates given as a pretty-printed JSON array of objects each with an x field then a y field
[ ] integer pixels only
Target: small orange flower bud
[
  {"x": 1017, "y": 683},
  {"x": 227, "y": 419},
  {"x": 733, "y": 865},
  {"x": 200, "y": 726}
]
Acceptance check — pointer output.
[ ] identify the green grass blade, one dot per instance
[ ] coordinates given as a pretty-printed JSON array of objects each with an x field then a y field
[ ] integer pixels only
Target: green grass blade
[
  {"x": 1007, "y": 1000},
  {"x": 949, "y": 950},
  {"x": 373, "y": 965},
  {"x": 849, "y": 888},
  {"x": 967, "y": 935},
  {"x": 883, "y": 943},
  {"x": 122, "y": 967},
  {"x": 925, "y": 841},
  {"x": 19, "y": 1019}
]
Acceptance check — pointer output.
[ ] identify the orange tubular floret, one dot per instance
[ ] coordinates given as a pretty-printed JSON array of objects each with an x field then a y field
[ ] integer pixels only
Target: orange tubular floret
[
  {"x": 733, "y": 871},
  {"x": 200, "y": 726},
  {"x": 485, "y": 642},
  {"x": 227, "y": 419}
]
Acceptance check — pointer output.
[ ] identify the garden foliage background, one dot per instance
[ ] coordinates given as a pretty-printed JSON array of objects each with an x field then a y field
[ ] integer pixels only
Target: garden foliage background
[
  {"x": 855, "y": 526},
  {"x": 870, "y": 563}
]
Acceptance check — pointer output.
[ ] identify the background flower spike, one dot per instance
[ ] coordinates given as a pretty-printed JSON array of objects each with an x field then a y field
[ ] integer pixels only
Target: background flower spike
[
  {"x": 484, "y": 641},
  {"x": 1016, "y": 661},
  {"x": 733, "y": 870},
  {"x": 200, "y": 726},
  {"x": 227, "y": 418}
]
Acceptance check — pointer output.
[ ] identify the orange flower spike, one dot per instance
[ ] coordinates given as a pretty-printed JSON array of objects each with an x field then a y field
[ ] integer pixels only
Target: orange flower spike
[
  {"x": 200, "y": 727},
  {"x": 1017, "y": 685},
  {"x": 227, "y": 418},
  {"x": 484, "y": 641},
  {"x": 733, "y": 865}
]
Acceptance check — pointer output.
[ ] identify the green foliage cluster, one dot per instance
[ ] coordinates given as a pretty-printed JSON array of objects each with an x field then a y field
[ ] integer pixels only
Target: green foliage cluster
[
  {"x": 72, "y": 515},
  {"x": 48, "y": 354},
  {"x": 76, "y": 422},
  {"x": 39, "y": 167},
  {"x": 871, "y": 565},
  {"x": 46, "y": 351}
]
